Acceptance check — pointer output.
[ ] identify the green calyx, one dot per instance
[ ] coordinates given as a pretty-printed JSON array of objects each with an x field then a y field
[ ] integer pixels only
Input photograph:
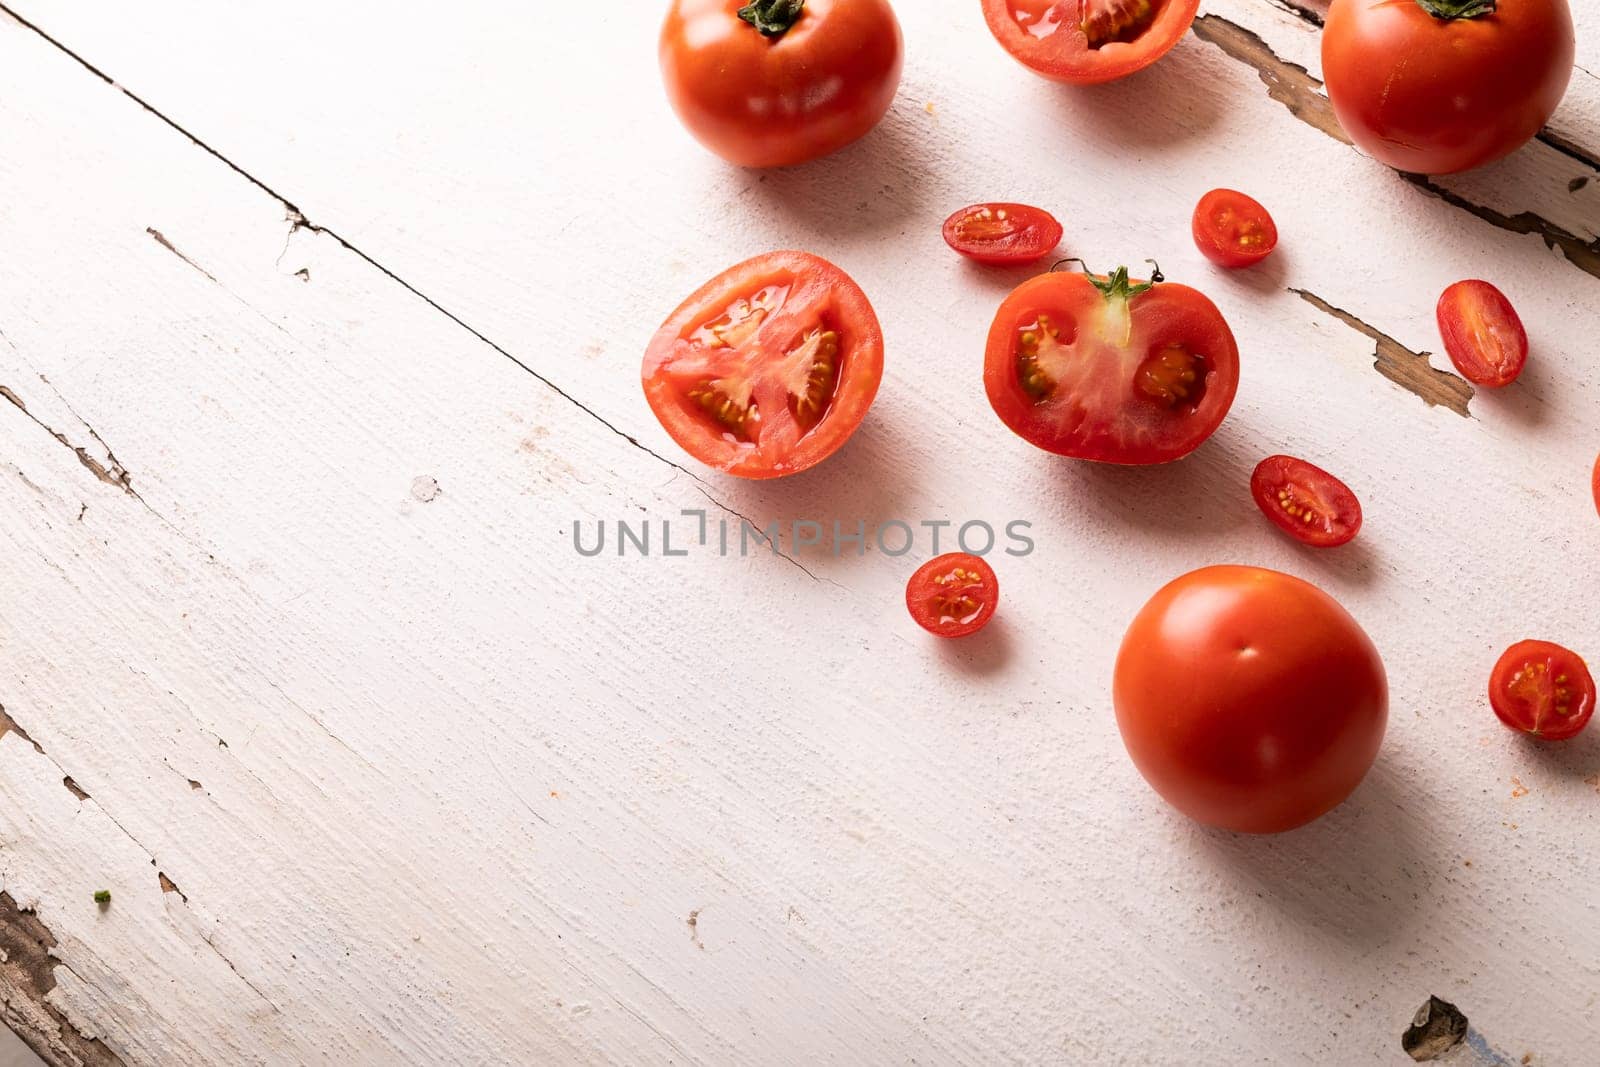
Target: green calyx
[
  {"x": 1117, "y": 285},
  {"x": 774, "y": 18},
  {"x": 1458, "y": 9}
]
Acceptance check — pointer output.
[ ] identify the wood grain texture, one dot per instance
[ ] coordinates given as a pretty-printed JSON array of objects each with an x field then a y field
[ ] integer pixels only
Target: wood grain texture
[{"x": 378, "y": 769}]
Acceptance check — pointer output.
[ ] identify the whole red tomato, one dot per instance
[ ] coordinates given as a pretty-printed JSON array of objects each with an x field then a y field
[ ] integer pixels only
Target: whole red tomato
[
  {"x": 1249, "y": 699},
  {"x": 1439, "y": 86},
  {"x": 778, "y": 82}
]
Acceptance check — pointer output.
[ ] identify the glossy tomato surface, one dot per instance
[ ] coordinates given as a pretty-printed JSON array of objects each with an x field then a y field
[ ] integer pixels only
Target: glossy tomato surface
[
  {"x": 1431, "y": 94},
  {"x": 1110, "y": 370},
  {"x": 1232, "y": 229},
  {"x": 1249, "y": 699},
  {"x": 1087, "y": 41},
  {"x": 953, "y": 596},
  {"x": 1483, "y": 334},
  {"x": 773, "y": 93},
  {"x": 768, "y": 368},
  {"x": 1002, "y": 233},
  {"x": 1594, "y": 480},
  {"x": 1306, "y": 502},
  {"x": 1542, "y": 689}
]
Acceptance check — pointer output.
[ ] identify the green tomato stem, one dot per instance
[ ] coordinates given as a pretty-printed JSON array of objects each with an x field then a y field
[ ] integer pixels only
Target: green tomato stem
[{"x": 773, "y": 18}]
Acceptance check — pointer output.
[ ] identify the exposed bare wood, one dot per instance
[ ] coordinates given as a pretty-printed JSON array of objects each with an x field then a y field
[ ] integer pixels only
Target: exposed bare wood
[
  {"x": 1409, "y": 370},
  {"x": 27, "y": 975}
]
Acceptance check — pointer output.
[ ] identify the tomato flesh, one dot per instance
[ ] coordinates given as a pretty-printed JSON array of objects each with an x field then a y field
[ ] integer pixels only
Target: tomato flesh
[
  {"x": 1249, "y": 699},
  {"x": 1483, "y": 334},
  {"x": 1002, "y": 233},
  {"x": 1306, "y": 502},
  {"x": 1087, "y": 41},
  {"x": 1232, "y": 229},
  {"x": 1132, "y": 378},
  {"x": 1595, "y": 484},
  {"x": 768, "y": 368},
  {"x": 1542, "y": 689},
  {"x": 954, "y": 595}
]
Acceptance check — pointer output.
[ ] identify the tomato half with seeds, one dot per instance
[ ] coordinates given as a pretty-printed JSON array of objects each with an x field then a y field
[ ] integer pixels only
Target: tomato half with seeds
[
  {"x": 1542, "y": 689},
  {"x": 768, "y": 368},
  {"x": 954, "y": 595},
  {"x": 1306, "y": 502},
  {"x": 1083, "y": 42},
  {"x": 1002, "y": 233},
  {"x": 1109, "y": 369},
  {"x": 1232, "y": 229},
  {"x": 1483, "y": 334}
]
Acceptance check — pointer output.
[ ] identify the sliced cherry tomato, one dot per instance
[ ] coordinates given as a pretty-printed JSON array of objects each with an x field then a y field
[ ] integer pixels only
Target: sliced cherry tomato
[
  {"x": 1002, "y": 233},
  {"x": 954, "y": 595},
  {"x": 1111, "y": 370},
  {"x": 1482, "y": 333},
  {"x": 1233, "y": 230},
  {"x": 768, "y": 368},
  {"x": 1596, "y": 485},
  {"x": 1542, "y": 689},
  {"x": 1088, "y": 41},
  {"x": 1306, "y": 502}
]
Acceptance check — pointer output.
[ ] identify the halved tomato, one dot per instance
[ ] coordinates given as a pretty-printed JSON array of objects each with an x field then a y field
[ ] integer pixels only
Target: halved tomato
[
  {"x": 1002, "y": 233},
  {"x": 1306, "y": 502},
  {"x": 1232, "y": 229},
  {"x": 1088, "y": 41},
  {"x": 1542, "y": 689},
  {"x": 1482, "y": 333},
  {"x": 768, "y": 368},
  {"x": 954, "y": 595},
  {"x": 1108, "y": 369}
]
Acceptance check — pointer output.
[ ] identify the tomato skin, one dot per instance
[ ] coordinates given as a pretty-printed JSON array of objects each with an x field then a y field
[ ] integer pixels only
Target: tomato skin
[
  {"x": 1428, "y": 95},
  {"x": 1306, "y": 502},
  {"x": 945, "y": 581},
  {"x": 816, "y": 294},
  {"x": 1483, "y": 334},
  {"x": 1002, "y": 233},
  {"x": 1102, "y": 415},
  {"x": 1542, "y": 690},
  {"x": 1064, "y": 53},
  {"x": 1249, "y": 699},
  {"x": 775, "y": 102},
  {"x": 1595, "y": 484},
  {"x": 1233, "y": 230}
]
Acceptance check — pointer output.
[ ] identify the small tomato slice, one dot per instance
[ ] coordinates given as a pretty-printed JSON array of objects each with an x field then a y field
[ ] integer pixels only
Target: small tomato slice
[
  {"x": 1542, "y": 689},
  {"x": 1306, "y": 502},
  {"x": 1482, "y": 333},
  {"x": 768, "y": 368},
  {"x": 954, "y": 595},
  {"x": 1232, "y": 229},
  {"x": 1088, "y": 41},
  {"x": 1110, "y": 370},
  {"x": 1002, "y": 233}
]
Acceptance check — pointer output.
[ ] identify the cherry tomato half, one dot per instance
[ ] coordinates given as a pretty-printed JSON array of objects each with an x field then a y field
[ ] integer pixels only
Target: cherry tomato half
[
  {"x": 778, "y": 82},
  {"x": 954, "y": 595},
  {"x": 768, "y": 368},
  {"x": 1482, "y": 334},
  {"x": 1542, "y": 689},
  {"x": 1109, "y": 369},
  {"x": 1233, "y": 230},
  {"x": 1306, "y": 502},
  {"x": 1088, "y": 41},
  {"x": 1002, "y": 233},
  {"x": 1439, "y": 86},
  {"x": 1249, "y": 699}
]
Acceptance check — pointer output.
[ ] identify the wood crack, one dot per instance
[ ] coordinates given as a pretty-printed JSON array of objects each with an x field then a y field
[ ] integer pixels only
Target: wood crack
[
  {"x": 170, "y": 247},
  {"x": 111, "y": 472},
  {"x": 1409, "y": 370}
]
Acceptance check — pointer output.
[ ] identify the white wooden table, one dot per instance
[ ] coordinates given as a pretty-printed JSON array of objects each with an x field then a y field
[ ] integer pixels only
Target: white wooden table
[{"x": 321, "y": 328}]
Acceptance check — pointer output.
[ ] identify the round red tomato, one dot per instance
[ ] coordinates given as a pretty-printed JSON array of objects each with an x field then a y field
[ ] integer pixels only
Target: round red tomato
[
  {"x": 1250, "y": 700},
  {"x": 1483, "y": 334},
  {"x": 1542, "y": 689},
  {"x": 1233, "y": 230},
  {"x": 1110, "y": 370},
  {"x": 768, "y": 368},
  {"x": 778, "y": 82},
  {"x": 1002, "y": 233},
  {"x": 954, "y": 595},
  {"x": 1439, "y": 86},
  {"x": 1306, "y": 502},
  {"x": 1088, "y": 41}
]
